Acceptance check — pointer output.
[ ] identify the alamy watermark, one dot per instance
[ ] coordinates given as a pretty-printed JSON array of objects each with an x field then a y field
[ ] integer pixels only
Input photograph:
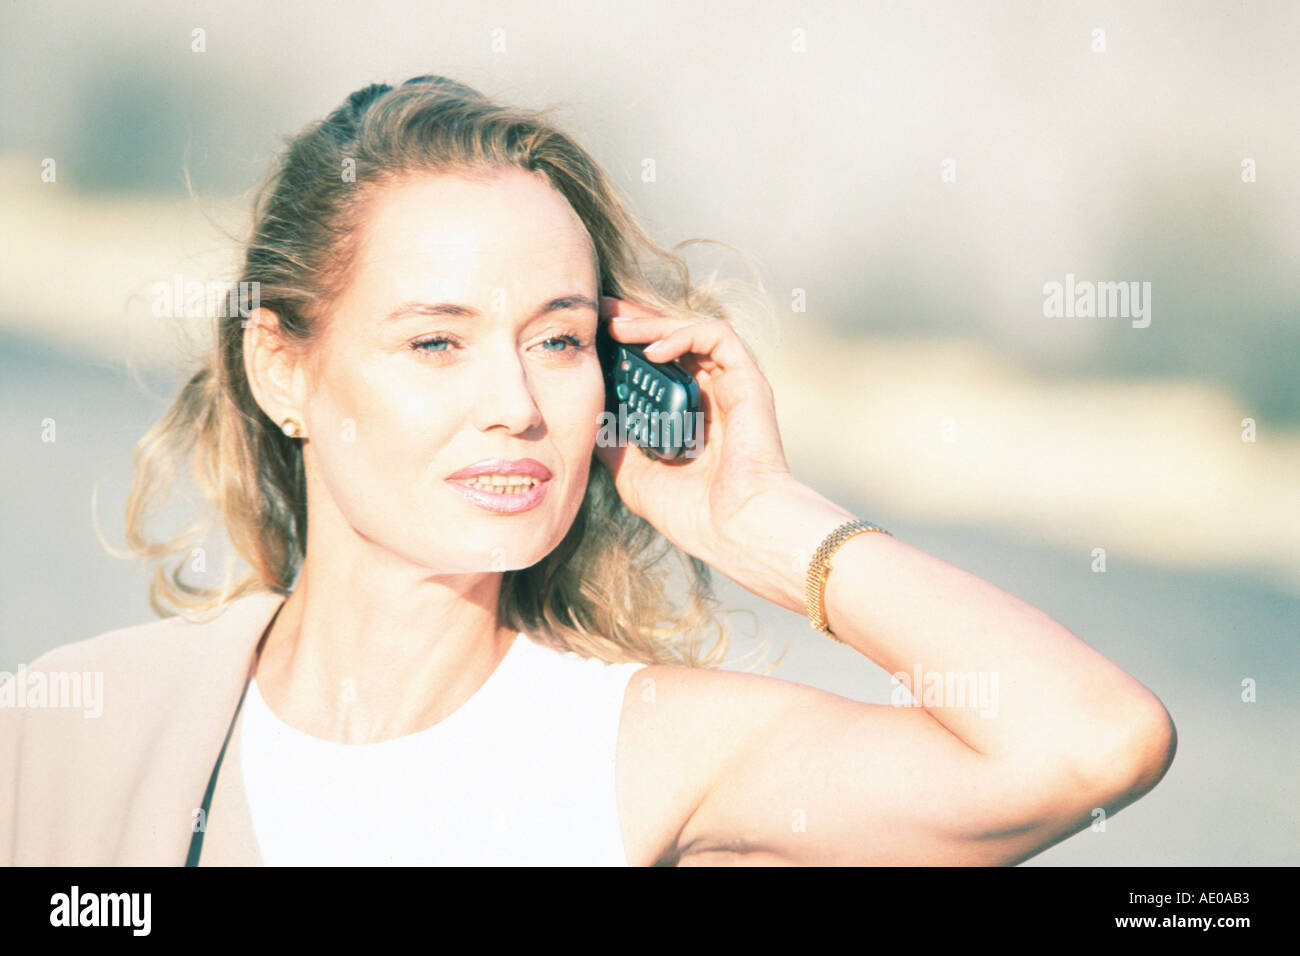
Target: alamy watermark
[
  {"x": 55, "y": 689},
  {"x": 75, "y": 908},
  {"x": 1098, "y": 300},
  {"x": 922, "y": 688},
  {"x": 659, "y": 429},
  {"x": 179, "y": 298}
]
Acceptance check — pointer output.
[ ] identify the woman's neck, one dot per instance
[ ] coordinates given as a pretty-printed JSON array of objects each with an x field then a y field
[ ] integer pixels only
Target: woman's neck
[{"x": 363, "y": 661}]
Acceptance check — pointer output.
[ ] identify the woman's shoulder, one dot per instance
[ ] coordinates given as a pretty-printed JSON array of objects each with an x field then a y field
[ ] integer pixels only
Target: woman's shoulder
[
  {"x": 683, "y": 729},
  {"x": 116, "y": 646},
  {"x": 149, "y": 648},
  {"x": 136, "y": 682}
]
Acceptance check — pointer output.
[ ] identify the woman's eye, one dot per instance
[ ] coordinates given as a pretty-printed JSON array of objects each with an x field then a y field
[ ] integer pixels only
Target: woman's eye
[
  {"x": 441, "y": 344},
  {"x": 572, "y": 340},
  {"x": 428, "y": 345},
  {"x": 432, "y": 345}
]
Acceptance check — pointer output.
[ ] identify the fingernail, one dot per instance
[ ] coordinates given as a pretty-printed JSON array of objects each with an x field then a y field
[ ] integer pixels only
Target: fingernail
[
  {"x": 654, "y": 345},
  {"x": 621, "y": 318}
]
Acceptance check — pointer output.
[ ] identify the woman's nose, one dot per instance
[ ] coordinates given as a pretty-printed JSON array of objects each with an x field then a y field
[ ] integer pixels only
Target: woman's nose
[{"x": 504, "y": 396}]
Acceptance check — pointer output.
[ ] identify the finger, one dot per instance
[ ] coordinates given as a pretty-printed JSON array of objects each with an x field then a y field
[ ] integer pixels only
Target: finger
[
  {"x": 633, "y": 322},
  {"x": 715, "y": 343},
  {"x": 630, "y": 329}
]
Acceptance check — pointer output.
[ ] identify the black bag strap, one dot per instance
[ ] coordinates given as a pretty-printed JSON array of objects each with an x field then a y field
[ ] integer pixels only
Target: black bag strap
[{"x": 196, "y": 841}]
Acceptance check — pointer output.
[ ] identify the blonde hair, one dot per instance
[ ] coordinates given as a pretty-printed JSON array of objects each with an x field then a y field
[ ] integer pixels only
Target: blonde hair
[{"x": 603, "y": 592}]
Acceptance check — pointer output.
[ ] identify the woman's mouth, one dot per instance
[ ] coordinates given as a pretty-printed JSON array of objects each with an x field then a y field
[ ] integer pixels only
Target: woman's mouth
[
  {"x": 503, "y": 494},
  {"x": 503, "y": 484}
]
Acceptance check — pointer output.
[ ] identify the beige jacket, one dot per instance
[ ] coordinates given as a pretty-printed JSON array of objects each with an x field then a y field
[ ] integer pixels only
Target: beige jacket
[{"x": 123, "y": 788}]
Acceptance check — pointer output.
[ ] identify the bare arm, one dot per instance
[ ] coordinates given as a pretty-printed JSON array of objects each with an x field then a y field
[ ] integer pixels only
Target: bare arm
[
  {"x": 747, "y": 755},
  {"x": 1071, "y": 732}
]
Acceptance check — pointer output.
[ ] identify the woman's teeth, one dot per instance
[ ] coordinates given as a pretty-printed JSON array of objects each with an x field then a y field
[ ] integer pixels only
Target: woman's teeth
[{"x": 503, "y": 484}]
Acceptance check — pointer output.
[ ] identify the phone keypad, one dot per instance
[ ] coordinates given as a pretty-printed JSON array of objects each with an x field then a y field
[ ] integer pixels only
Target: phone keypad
[{"x": 646, "y": 391}]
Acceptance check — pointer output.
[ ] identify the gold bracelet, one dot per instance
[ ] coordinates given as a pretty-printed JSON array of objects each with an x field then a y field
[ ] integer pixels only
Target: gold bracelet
[{"x": 819, "y": 567}]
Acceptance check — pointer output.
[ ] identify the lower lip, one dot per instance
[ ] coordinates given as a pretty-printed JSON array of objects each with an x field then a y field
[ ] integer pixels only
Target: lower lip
[{"x": 502, "y": 503}]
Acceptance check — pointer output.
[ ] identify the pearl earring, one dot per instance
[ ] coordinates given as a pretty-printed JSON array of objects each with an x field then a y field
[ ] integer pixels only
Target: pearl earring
[{"x": 291, "y": 428}]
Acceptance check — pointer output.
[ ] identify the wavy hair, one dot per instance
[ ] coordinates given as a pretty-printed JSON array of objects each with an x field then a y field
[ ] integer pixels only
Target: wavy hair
[{"x": 603, "y": 592}]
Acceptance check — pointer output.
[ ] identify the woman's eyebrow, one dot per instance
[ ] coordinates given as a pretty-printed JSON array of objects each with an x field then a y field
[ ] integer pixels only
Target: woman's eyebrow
[{"x": 558, "y": 304}]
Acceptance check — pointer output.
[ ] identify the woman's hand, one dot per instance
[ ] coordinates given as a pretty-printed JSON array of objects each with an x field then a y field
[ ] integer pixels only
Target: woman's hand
[{"x": 695, "y": 501}]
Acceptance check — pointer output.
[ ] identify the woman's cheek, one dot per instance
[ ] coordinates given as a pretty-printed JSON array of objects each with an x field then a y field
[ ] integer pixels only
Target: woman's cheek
[
  {"x": 387, "y": 411},
  {"x": 581, "y": 408},
  {"x": 353, "y": 430}
]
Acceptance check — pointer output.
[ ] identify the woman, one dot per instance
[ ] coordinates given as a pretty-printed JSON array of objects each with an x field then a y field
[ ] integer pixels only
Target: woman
[{"x": 453, "y": 645}]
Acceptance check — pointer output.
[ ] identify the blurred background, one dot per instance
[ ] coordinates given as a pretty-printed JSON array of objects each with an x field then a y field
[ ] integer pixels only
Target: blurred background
[{"x": 909, "y": 177}]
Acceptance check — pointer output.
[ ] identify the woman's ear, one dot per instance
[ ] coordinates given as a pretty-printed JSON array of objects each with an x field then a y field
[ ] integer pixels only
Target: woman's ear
[{"x": 273, "y": 366}]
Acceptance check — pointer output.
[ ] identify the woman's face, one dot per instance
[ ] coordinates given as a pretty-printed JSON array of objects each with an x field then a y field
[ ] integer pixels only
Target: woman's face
[{"x": 467, "y": 334}]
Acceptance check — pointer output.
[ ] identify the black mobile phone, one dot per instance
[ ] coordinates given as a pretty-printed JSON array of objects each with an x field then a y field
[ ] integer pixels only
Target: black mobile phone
[{"x": 655, "y": 405}]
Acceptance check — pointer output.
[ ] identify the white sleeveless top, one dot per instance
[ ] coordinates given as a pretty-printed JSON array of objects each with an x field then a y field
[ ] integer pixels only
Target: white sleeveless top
[{"x": 520, "y": 774}]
